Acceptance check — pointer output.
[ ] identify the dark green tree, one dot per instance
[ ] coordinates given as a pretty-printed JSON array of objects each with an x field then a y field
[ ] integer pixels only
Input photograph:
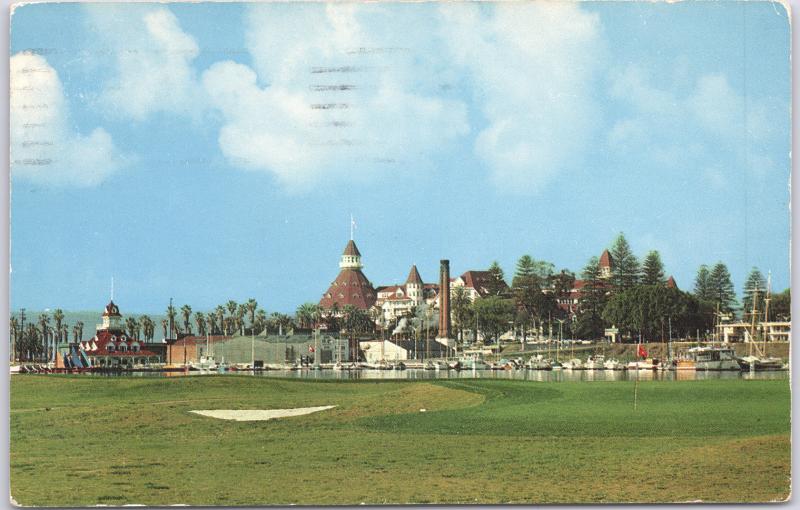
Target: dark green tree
[
  {"x": 462, "y": 311},
  {"x": 653, "y": 269},
  {"x": 722, "y": 293},
  {"x": 780, "y": 307},
  {"x": 494, "y": 315},
  {"x": 755, "y": 285},
  {"x": 591, "y": 302},
  {"x": 702, "y": 285},
  {"x": 626, "y": 271},
  {"x": 496, "y": 285}
]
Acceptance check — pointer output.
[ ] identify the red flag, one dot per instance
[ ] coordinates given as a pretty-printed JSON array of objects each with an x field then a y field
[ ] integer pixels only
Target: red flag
[
  {"x": 642, "y": 351},
  {"x": 310, "y": 348}
]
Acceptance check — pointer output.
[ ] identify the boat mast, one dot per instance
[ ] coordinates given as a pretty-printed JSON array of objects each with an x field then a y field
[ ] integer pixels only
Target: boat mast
[{"x": 766, "y": 310}]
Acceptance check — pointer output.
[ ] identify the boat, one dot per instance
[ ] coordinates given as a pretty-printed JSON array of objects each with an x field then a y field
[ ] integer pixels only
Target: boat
[
  {"x": 538, "y": 363},
  {"x": 612, "y": 364},
  {"x": 760, "y": 363},
  {"x": 712, "y": 358},
  {"x": 430, "y": 366},
  {"x": 595, "y": 362},
  {"x": 644, "y": 364},
  {"x": 573, "y": 364}
]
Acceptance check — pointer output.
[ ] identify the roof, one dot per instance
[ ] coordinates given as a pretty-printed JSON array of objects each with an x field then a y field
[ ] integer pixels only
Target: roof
[
  {"x": 351, "y": 287},
  {"x": 413, "y": 276},
  {"x": 671, "y": 283},
  {"x": 104, "y": 338},
  {"x": 351, "y": 249},
  {"x": 606, "y": 260},
  {"x": 111, "y": 310},
  {"x": 480, "y": 281}
]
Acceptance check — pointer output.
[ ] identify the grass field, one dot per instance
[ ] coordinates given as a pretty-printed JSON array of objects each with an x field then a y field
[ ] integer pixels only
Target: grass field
[{"x": 85, "y": 441}]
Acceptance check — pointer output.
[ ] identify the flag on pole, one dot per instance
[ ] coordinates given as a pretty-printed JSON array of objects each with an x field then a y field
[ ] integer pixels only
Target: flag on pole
[
  {"x": 642, "y": 351},
  {"x": 310, "y": 348},
  {"x": 352, "y": 226}
]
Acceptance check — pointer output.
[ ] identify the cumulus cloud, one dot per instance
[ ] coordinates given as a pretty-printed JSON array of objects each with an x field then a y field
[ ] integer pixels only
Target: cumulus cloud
[
  {"x": 532, "y": 66},
  {"x": 667, "y": 128},
  {"x": 333, "y": 90},
  {"x": 152, "y": 61},
  {"x": 44, "y": 147}
]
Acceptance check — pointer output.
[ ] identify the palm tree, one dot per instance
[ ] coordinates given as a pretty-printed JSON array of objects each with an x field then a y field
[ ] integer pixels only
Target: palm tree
[
  {"x": 75, "y": 336},
  {"x": 165, "y": 325},
  {"x": 200, "y": 319},
  {"x": 241, "y": 311},
  {"x": 171, "y": 314},
  {"x": 132, "y": 325},
  {"x": 58, "y": 318},
  {"x": 251, "y": 305},
  {"x": 148, "y": 327},
  {"x": 307, "y": 314},
  {"x": 261, "y": 320},
  {"x": 211, "y": 323},
  {"x": 186, "y": 311},
  {"x": 14, "y": 337},
  {"x": 231, "y": 305},
  {"x": 44, "y": 323},
  {"x": 79, "y": 325},
  {"x": 220, "y": 311}
]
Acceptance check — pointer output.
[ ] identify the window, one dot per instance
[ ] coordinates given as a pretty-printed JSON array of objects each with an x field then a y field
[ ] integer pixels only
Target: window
[
  {"x": 111, "y": 347},
  {"x": 123, "y": 347},
  {"x": 135, "y": 347}
]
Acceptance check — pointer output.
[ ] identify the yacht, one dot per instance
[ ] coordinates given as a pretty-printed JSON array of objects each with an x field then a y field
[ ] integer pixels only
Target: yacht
[{"x": 713, "y": 358}]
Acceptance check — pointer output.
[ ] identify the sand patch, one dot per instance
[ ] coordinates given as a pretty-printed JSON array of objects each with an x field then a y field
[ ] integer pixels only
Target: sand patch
[{"x": 259, "y": 414}]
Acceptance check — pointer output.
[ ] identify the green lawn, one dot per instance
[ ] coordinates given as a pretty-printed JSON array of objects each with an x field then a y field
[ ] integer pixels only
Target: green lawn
[{"x": 91, "y": 440}]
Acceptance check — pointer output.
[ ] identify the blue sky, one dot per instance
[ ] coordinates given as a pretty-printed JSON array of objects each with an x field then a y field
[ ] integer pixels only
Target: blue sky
[{"x": 208, "y": 152}]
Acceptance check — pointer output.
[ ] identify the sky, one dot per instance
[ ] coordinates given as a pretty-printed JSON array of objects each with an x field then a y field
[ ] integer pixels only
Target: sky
[{"x": 216, "y": 151}]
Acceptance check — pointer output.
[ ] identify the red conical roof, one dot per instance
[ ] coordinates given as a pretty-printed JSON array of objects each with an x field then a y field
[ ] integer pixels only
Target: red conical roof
[
  {"x": 671, "y": 283},
  {"x": 413, "y": 276},
  {"x": 351, "y": 249},
  {"x": 606, "y": 260},
  {"x": 351, "y": 287}
]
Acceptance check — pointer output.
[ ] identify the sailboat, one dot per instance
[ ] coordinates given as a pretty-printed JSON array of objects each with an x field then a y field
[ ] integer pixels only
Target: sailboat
[{"x": 759, "y": 361}]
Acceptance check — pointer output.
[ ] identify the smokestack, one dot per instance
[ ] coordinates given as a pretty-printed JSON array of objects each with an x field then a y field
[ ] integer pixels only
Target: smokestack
[{"x": 444, "y": 300}]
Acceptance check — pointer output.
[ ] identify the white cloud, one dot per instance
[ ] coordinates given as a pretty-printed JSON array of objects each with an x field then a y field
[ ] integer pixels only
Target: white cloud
[
  {"x": 152, "y": 59},
  {"x": 711, "y": 128},
  {"x": 344, "y": 94},
  {"x": 532, "y": 66},
  {"x": 44, "y": 147}
]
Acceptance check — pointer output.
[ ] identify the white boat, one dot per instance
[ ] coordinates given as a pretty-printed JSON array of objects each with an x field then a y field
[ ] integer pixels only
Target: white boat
[
  {"x": 646, "y": 364},
  {"x": 612, "y": 364},
  {"x": 205, "y": 363},
  {"x": 595, "y": 362},
  {"x": 760, "y": 363},
  {"x": 573, "y": 364},
  {"x": 538, "y": 362},
  {"x": 713, "y": 358}
]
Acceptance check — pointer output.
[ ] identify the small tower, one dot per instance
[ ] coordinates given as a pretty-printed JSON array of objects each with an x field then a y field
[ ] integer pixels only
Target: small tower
[
  {"x": 606, "y": 265},
  {"x": 351, "y": 258},
  {"x": 414, "y": 286},
  {"x": 112, "y": 319}
]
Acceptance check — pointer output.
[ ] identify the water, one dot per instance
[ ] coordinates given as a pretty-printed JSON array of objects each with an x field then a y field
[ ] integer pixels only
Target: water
[{"x": 521, "y": 375}]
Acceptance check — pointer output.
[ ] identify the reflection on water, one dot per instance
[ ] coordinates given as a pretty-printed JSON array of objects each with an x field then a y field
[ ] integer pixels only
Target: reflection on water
[{"x": 525, "y": 375}]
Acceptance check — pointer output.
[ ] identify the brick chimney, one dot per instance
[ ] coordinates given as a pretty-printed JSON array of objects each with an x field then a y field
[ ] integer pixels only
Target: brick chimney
[{"x": 444, "y": 300}]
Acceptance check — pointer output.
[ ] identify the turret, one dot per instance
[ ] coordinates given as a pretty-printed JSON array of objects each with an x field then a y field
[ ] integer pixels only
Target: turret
[
  {"x": 414, "y": 286},
  {"x": 351, "y": 258}
]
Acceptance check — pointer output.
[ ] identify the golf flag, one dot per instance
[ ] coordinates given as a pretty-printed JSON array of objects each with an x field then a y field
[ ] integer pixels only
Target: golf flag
[
  {"x": 642, "y": 351},
  {"x": 310, "y": 348}
]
